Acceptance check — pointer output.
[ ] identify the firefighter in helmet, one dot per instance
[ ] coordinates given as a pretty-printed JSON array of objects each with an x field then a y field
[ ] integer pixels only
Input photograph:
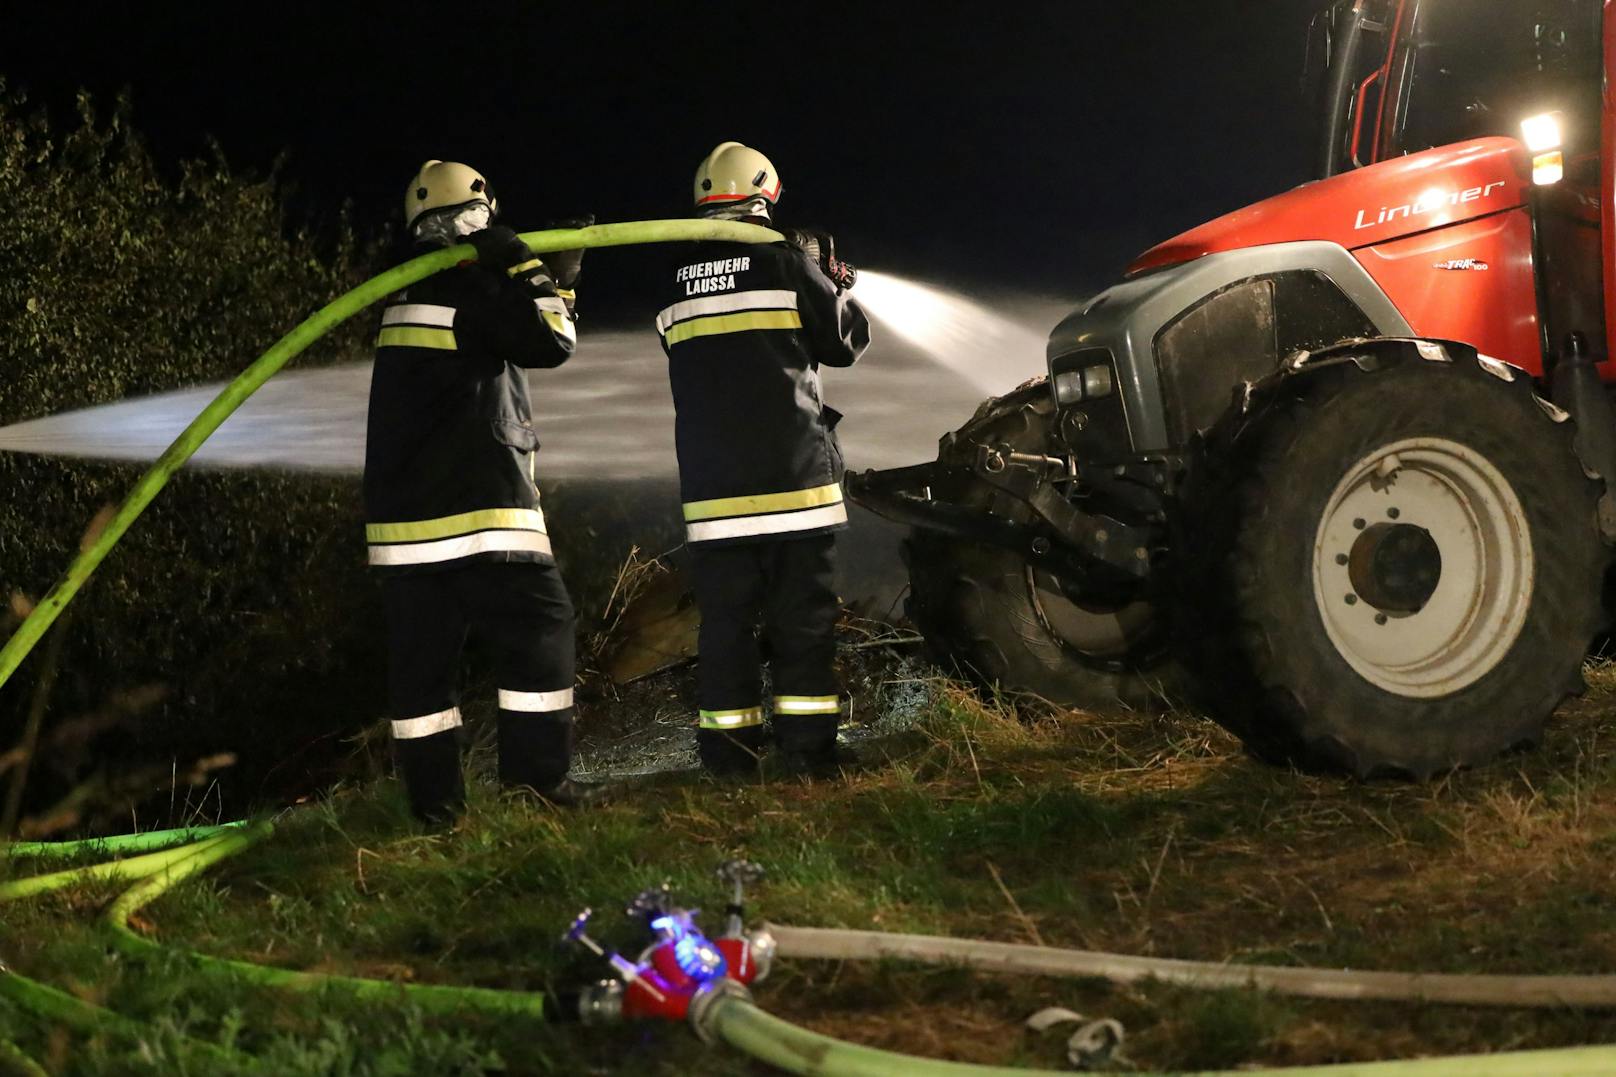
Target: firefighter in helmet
[
  {"x": 746, "y": 328},
  {"x": 453, "y": 522}
]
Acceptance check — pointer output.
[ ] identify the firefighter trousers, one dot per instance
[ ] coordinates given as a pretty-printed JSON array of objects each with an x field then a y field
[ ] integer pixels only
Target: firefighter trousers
[
  {"x": 520, "y": 611},
  {"x": 788, "y": 587}
]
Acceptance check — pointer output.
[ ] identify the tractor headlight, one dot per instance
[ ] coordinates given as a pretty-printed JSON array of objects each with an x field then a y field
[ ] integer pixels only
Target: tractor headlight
[{"x": 1084, "y": 383}]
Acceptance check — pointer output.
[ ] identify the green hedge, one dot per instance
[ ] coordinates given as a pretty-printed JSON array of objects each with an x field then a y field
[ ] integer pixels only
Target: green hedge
[{"x": 243, "y": 593}]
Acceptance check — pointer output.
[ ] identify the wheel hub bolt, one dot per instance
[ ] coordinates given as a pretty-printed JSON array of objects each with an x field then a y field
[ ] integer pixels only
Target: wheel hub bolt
[
  {"x": 1352, "y": 600},
  {"x": 1394, "y": 512},
  {"x": 1360, "y": 523},
  {"x": 1380, "y": 618}
]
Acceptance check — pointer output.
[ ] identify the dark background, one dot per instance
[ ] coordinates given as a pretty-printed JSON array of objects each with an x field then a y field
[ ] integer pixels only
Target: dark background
[{"x": 1030, "y": 145}]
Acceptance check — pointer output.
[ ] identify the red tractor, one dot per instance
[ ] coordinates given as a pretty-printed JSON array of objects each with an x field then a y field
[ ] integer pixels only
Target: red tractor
[{"x": 1301, "y": 464}]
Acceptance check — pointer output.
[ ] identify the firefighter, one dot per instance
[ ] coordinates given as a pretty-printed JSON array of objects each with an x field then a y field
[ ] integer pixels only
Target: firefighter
[
  {"x": 453, "y": 522},
  {"x": 746, "y": 329}
]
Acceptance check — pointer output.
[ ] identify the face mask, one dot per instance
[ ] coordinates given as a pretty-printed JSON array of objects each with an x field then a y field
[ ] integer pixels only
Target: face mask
[
  {"x": 449, "y": 225},
  {"x": 734, "y": 211}
]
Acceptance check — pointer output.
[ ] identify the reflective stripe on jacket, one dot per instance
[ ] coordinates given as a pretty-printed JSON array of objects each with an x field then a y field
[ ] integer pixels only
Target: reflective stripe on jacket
[
  {"x": 746, "y": 330},
  {"x": 449, "y": 450}
]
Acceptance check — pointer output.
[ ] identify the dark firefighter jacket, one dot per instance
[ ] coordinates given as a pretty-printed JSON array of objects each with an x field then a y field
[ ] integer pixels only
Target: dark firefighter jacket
[
  {"x": 746, "y": 330},
  {"x": 450, "y": 446}
]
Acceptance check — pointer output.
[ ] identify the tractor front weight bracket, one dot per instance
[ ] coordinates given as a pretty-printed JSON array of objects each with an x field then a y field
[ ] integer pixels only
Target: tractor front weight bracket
[{"x": 1062, "y": 538}]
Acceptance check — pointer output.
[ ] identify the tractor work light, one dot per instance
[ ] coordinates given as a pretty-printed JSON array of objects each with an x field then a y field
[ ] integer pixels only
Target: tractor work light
[
  {"x": 1542, "y": 136},
  {"x": 1541, "y": 132}
]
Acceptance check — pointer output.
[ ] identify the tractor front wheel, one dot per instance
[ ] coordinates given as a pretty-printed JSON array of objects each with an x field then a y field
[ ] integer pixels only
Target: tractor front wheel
[{"x": 1399, "y": 568}]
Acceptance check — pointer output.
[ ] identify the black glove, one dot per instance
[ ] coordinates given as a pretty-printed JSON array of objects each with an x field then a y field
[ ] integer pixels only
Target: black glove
[
  {"x": 821, "y": 247},
  {"x": 498, "y": 249},
  {"x": 565, "y": 265}
]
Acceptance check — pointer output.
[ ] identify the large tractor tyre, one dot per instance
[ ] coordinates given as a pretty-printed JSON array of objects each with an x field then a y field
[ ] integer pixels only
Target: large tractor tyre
[
  {"x": 1397, "y": 569},
  {"x": 1008, "y": 626}
]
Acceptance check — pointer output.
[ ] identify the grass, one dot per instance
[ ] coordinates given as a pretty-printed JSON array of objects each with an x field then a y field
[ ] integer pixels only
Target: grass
[{"x": 1141, "y": 833}]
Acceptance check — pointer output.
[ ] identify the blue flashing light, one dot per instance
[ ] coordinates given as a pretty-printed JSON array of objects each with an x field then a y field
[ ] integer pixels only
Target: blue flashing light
[{"x": 696, "y": 957}]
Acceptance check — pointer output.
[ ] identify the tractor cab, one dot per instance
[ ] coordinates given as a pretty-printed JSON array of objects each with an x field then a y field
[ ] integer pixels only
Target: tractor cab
[
  {"x": 1396, "y": 78},
  {"x": 1405, "y": 76}
]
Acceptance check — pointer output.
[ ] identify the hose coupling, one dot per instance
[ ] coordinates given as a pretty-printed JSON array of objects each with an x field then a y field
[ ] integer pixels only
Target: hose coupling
[
  {"x": 762, "y": 946},
  {"x": 709, "y": 1000},
  {"x": 601, "y": 1003}
]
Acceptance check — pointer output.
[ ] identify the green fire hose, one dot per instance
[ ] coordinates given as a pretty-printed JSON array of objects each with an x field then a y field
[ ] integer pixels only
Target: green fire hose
[
  {"x": 137, "y": 867},
  {"x": 284, "y": 350},
  {"x": 121, "y": 843},
  {"x": 14, "y": 1059},
  {"x": 68, "y": 1011},
  {"x": 200, "y": 857}
]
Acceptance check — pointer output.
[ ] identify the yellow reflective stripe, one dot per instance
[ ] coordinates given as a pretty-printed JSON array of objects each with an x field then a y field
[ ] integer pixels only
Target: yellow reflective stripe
[
  {"x": 755, "y": 504},
  {"x": 450, "y": 526},
  {"x": 413, "y": 336},
  {"x": 740, "y": 719},
  {"x": 808, "y": 704},
  {"x": 770, "y": 523},
  {"x": 559, "y": 324},
  {"x": 733, "y": 323},
  {"x": 391, "y": 554},
  {"x": 523, "y": 268},
  {"x": 566, "y": 293}
]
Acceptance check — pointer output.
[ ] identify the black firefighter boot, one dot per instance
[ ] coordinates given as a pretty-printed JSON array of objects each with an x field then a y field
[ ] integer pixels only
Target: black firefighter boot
[
  {"x": 731, "y": 753},
  {"x": 430, "y": 767},
  {"x": 535, "y": 753},
  {"x": 807, "y": 744}
]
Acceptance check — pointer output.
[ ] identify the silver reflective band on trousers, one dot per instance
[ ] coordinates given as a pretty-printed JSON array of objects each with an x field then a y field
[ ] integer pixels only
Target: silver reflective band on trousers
[
  {"x": 535, "y": 702},
  {"x": 426, "y": 725}
]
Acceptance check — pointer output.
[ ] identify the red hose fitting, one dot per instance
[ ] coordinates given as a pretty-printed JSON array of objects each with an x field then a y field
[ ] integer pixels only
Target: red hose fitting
[{"x": 663, "y": 990}]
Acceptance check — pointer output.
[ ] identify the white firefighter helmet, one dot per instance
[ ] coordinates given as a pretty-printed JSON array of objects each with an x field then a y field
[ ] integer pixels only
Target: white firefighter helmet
[
  {"x": 735, "y": 173},
  {"x": 445, "y": 185}
]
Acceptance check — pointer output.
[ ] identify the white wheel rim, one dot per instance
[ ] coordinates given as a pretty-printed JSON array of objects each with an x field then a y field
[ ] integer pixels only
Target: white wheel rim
[{"x": 1480, "y": 600}]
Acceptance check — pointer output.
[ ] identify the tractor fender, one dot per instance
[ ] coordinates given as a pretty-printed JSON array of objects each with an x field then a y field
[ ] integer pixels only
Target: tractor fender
[{"x": 1367, "y": 354}]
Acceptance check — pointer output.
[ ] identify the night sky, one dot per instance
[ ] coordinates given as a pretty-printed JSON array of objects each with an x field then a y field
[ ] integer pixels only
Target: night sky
[{"x": 1031, "y": 146}]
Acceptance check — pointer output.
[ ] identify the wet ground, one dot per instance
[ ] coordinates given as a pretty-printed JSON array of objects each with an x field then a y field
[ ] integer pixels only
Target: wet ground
[{"x": 647, "y": 727}]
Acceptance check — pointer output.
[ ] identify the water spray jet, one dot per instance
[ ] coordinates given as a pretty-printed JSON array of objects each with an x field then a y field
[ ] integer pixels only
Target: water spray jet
[{"x": 958, "y": 333}]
